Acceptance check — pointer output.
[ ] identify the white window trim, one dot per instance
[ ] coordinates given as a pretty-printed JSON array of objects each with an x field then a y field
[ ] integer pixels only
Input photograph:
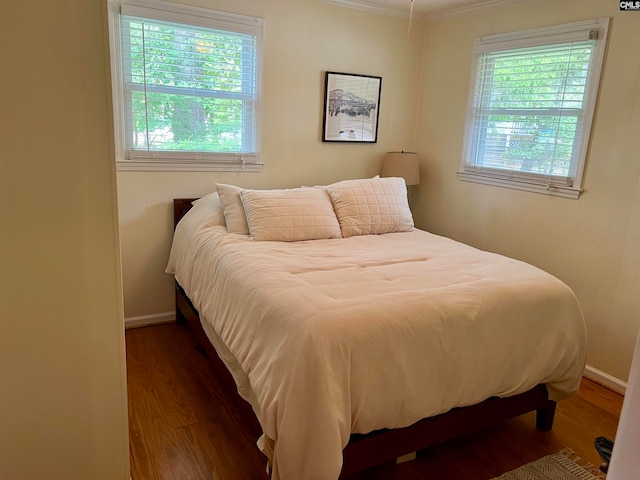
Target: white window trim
[
  {"x": 538, "y": 37},
  {"x": 196, "y": 16}
]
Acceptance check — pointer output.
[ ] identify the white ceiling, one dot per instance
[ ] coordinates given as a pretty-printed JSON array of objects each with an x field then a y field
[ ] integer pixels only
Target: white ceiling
[{"x": 421, "y": 8}]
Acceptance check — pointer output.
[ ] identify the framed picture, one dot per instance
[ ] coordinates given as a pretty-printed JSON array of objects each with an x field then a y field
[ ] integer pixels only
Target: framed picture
[{"x": 351, "y": 108}]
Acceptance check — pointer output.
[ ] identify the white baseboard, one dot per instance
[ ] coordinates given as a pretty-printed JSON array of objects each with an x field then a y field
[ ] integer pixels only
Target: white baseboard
[
  {"x": 605, "y": 379},
  {"x": 153, "y": 319}
]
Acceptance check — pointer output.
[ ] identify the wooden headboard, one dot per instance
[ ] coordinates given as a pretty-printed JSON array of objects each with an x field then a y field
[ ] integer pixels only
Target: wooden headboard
[{"x": 180, "y": 207}]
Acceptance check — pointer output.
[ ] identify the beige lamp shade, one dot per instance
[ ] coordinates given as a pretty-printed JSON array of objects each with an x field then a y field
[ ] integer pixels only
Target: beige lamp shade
[{"x": 402, "y": 164}]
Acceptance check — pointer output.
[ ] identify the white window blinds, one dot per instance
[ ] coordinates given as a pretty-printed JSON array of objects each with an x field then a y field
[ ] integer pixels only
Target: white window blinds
[
  {"x": 189, "y": 87},
  {"x": 530, "y": 108}
]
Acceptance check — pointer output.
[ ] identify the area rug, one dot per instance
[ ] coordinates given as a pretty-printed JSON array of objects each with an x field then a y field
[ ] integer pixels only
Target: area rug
[{"x": 564, "y": 465}]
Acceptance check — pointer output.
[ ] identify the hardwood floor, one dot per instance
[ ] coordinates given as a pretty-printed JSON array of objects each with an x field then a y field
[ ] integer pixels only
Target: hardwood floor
[{"x": 183, "y": 426}]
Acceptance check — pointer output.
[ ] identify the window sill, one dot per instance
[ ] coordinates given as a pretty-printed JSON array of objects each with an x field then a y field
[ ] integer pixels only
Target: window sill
[
  {"x": 186, "y": 167},
  {"x": 553, "y": 190}
]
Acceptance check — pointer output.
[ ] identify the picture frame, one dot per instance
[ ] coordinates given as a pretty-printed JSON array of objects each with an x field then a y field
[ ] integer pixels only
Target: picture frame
[{"x": 351, "y": 107}]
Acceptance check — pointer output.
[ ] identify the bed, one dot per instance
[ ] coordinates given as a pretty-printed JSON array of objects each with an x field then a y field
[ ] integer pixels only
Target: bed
[{"x": 357, "y": 338}]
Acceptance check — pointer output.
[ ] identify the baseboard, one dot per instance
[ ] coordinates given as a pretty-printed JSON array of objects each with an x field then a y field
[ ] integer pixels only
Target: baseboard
[
  {"x": 153, "y": 319},
  {"x": 605, "y": 379}
]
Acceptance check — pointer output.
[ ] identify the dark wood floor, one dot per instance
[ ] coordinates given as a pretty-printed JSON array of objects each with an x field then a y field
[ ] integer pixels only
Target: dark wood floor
[{"x": 183, "y": 426}]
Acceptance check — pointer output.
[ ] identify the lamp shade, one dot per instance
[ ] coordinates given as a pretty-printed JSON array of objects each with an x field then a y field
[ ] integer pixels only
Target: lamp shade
[{"x": 402, "y": 164}]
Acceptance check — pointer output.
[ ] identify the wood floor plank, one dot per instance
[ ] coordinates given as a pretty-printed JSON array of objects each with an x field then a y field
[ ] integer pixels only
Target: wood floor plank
[{"x": 185, "y": 426}]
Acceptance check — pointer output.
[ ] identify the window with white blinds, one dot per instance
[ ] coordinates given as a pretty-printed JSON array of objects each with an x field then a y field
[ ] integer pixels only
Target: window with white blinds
[
  {"x": 530, "y": 107},
  {"x": 188, "y": 82}
]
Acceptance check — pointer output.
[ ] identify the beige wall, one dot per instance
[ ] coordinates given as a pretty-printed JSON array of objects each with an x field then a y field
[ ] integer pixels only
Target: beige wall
[
  {"x": 593, "y": 243},
  {"x": 303, "y": 39},
  {"x": 590, "y": 243},
  {"x": 63, "y": 410}
]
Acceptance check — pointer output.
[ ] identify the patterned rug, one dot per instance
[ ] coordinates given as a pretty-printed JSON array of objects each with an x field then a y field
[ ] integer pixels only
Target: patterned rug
[{"x": 564, "y": 465}]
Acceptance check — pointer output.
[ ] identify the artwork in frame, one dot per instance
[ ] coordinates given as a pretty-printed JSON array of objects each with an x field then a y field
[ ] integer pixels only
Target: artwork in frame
[{"x": 351, "y": 107}]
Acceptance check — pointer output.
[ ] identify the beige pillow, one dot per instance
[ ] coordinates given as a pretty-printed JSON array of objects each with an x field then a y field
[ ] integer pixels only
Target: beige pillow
[
  {"x": 233, "y": 210},
  {"x": 371, "y": 206},
  {"x": 290, "y": 215}
]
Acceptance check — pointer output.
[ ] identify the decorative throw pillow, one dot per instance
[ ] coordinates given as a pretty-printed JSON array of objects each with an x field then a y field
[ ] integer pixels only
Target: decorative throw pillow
[
  {"x": 290, "y": 215},
  {"x": 233, "y": 209},
  {"x": 371, "y": 206}
]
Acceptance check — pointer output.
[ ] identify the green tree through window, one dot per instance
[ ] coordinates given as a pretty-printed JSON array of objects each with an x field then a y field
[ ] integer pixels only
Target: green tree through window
[
  {"x": 531, "y": 106},
  {"x": 552, "y": 82},
  {"x": 187, "y": 87}
]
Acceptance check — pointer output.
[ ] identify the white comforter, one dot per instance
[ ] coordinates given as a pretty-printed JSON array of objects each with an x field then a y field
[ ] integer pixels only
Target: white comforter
[{"x": 330, "y": 337}]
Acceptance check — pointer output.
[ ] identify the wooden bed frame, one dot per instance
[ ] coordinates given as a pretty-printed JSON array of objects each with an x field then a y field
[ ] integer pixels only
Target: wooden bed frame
[{"x": 365, "y": 451}]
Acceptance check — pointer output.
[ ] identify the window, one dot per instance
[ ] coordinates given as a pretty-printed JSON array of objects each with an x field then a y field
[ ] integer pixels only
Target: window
[
  {"x": 186, "y": 87},
  {"x": 530, "y": 107}
]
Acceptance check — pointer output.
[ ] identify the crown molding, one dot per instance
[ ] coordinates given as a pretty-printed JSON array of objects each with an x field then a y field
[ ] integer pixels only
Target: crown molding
[
  {"x": 431, "y": 17},
  {"x": 377, "y": 8},
  {"x": 473, "y": 9}
]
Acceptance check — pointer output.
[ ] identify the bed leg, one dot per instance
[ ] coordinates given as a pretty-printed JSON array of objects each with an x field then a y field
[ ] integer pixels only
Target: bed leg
[
  {"x": 544, "y": 417},
  {"x": 180, "y": 318}
]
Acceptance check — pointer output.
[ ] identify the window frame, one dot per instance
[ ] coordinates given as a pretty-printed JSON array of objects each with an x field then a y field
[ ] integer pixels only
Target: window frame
[
  {"x": 545, "y": 36},
  {"x": 190, "y": 160}
]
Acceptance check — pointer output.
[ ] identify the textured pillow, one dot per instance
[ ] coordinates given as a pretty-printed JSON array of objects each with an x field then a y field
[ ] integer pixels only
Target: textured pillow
[
  {"x": 233, "y": 209},
  {"x": 371, "y": 206},
  {"x": 290, "y": 215}
]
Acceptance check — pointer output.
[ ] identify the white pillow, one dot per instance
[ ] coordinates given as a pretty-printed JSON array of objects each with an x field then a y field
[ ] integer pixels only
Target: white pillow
[
  {"x": 206, "y": 211},
  {"x": 233, "y": 209},
  {"x": 371, "y": 206},
  {"x": 290, "y": 215}
]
